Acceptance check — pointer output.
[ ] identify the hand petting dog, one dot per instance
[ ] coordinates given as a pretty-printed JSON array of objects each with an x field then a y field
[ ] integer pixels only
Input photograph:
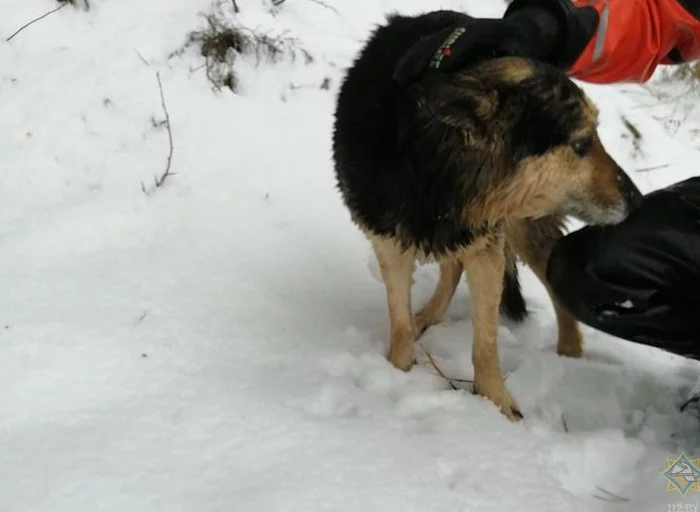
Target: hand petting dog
[{"x": 542, "y": 30}]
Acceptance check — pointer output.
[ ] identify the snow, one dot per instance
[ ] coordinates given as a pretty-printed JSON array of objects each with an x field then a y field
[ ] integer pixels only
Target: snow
[{"x": 218, "y": 344}]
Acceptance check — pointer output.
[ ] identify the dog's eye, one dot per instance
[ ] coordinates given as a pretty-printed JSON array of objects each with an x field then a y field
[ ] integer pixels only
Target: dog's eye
[{"x": 581, "y": 147}]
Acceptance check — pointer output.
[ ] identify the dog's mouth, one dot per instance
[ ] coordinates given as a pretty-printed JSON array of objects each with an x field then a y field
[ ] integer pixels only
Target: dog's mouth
[
  {"x": 595, "y": 209},
  {"x": 594, "y": 214}
]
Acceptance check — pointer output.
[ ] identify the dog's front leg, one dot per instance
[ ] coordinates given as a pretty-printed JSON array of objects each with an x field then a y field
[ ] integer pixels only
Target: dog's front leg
[
  {"x": 533, "y": 241},
  {"x": 484, "y": 264}
]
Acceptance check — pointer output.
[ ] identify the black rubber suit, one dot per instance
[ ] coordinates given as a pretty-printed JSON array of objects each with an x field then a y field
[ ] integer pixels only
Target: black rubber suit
[{"x": 639, "y": 280}]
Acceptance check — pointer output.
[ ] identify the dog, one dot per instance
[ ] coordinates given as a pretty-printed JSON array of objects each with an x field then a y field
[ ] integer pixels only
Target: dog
[{"x": 470, "y": 170}]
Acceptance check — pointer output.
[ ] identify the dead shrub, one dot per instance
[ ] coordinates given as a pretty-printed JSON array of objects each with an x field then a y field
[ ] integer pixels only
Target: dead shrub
[
  {"x": 85, "y": 4},
  {"x": 223, "y": 41}
]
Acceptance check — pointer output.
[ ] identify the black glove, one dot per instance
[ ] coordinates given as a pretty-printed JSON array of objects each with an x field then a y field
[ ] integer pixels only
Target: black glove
[
  {"x": 638, "y": 280},
  {"x": 553, "y": 31}
]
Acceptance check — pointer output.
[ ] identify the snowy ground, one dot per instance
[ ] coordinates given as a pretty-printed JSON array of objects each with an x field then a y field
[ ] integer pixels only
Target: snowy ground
[{"x": 218, "y": 345}]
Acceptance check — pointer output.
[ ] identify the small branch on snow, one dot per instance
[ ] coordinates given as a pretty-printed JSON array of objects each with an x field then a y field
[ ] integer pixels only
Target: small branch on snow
[
  {"x": 437, "y": 368},
  {"x": 692, "y": 400},
  {"x": 20, "y": 29},
  {"x": 652, "y": 168},
  {"x": 208, "y": 73},
  {"x": 609, "y": 496},
  {"x": 466, "y": 381},
  {"x": 324, "y": 4},
  {"x": 142, "y": 317},
  {"x": 159, "y": 181},
  {"x": 142, "y": 58},
  {"x": 235, "y": 7},
  {"x": 73, "y": 2}
]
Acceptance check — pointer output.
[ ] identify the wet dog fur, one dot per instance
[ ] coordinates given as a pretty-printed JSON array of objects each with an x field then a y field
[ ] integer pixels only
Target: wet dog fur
[{"x": 470, "y": 170}]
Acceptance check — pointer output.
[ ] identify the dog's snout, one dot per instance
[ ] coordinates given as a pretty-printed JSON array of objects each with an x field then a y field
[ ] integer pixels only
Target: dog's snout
[{"x": 632, "y": 195}]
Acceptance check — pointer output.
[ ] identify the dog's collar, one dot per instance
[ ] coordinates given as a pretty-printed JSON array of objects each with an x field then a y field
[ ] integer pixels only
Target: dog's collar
[{"x": 446, "y": 47}]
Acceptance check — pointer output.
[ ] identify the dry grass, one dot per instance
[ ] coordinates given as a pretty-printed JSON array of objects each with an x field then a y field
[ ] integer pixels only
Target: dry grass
[
  {"x": 222, "y": 41},
  {"x": 636, "y": 136},
  {"x": 678, "y": 87},
  {"x": 85, "y": 4},
  {"x": 689, "y": 72}
]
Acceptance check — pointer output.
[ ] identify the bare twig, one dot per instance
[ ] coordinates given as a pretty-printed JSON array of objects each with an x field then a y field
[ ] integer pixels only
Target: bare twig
[
  {"x": 86, "y": 3},
  {"x": 437, "y": 368},
  {"x": 142, "y": 58},
  {"x": 466, "y": 381},
  {"x": 652, "y": 168},
  {"x": 235, "y": 7},
  {"x": 142, "y": 317},
  {"x": 208, "y": 73},
  {"x": 692, "y": 400},
  {"x": 324, "y": 4},
  {"x": 564, "y": 424},
  {"x": 609, "y": 496},
  {"x": 159, "y": 181},
  {"x": 20, "y": 29}
]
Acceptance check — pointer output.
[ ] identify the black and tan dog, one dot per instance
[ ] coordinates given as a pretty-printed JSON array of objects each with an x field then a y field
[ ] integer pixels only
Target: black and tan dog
[{"x": 469, "y": 170}]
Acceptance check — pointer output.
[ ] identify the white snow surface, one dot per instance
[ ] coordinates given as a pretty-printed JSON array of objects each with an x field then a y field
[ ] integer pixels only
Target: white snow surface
[{"x": 219, "y": 344}]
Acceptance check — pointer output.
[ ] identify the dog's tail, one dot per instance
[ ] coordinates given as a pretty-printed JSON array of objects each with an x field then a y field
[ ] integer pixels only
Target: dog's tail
[{"x": 512, "y": 301}]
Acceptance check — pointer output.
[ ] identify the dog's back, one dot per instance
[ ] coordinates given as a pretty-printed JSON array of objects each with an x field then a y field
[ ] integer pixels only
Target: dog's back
[
  {"x": 370, "y": 102},
  {"x": 374, "y": 119}
]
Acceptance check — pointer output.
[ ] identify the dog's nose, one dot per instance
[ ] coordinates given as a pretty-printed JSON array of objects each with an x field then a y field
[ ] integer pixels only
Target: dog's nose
[{"x": 633, "y": 196}]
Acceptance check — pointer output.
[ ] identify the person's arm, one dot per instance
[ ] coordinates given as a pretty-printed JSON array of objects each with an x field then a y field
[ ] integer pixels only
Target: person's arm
[
  {"x": 639, "y": 279},
  {"x": 630, "y": 39},
  {"x": 601, "y": 41}
]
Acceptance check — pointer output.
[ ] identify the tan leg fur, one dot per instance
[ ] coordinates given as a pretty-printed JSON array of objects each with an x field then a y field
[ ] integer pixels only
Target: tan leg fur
[
  {"x": 533, "y": 241},
  {"x": 397, "y": 272},
  {"x": 484, "y": 263},
  {"x": 434, "y": 310}
]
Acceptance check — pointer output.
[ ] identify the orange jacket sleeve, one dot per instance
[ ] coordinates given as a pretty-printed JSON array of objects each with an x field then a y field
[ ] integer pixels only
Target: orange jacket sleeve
[{"x": 634, "y": 36}]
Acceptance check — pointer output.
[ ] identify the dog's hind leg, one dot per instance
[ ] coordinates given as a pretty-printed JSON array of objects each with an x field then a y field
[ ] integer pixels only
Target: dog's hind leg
[
  {"x": 484, "y": 263},
  {"x": 396, "y": 266},
  {"x": 533, "y": 240},
  {"x": 434, "y": 311},
  {"x": 512, "y": 302}
]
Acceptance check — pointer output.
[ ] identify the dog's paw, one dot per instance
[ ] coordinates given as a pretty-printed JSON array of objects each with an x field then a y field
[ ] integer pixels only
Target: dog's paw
[
  {"x": 401, "y": 351},
  {"x": 574, "y": 350},
  {"x": 401, "y": 357},
  {"x": 570, "y": 343},
  {"x": 498, "y": 394}
]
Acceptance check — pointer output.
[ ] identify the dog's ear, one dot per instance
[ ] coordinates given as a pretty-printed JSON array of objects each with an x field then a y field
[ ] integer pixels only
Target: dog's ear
[
  {"x": 462, "y": 105},
  {"x": 540, "y": 119}
]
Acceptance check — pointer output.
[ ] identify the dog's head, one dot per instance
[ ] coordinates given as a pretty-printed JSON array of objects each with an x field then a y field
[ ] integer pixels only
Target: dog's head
[{"x": 535, "y": 134}]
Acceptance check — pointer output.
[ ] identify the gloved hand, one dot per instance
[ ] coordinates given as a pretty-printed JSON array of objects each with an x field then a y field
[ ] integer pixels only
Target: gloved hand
[
  {"x": 638, "y": 280},
  {"x": 547, "y": 30}
]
